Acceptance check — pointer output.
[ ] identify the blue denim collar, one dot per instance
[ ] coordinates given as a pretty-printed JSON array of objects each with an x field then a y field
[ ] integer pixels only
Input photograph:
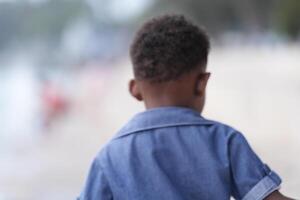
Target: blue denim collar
[{"x": 162, "y": 117}]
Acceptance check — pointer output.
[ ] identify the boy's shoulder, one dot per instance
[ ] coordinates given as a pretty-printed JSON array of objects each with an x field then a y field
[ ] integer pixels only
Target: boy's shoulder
[
  {"x": 223, "y": 127},
  {"x": 227, "y": 133}
]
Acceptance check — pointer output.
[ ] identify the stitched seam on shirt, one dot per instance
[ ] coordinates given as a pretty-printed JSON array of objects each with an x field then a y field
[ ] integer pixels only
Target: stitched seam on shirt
[{"x": 124, "y": 134}]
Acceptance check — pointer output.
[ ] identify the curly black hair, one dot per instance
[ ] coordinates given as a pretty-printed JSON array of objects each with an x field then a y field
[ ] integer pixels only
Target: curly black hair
[{"x": 166, "y": 47}]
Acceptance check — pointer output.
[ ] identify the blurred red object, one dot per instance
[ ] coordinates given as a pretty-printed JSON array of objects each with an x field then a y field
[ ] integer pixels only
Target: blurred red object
[{"x": 54, "y": 102}]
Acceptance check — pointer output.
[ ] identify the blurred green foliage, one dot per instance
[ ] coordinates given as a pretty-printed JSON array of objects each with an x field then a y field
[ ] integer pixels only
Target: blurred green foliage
[
  {"x": 47, "y": 20},
  {"x": 281, "y": 16},
  {"x": 24, "y": 21},
  {"x": 288, "y": 17}
]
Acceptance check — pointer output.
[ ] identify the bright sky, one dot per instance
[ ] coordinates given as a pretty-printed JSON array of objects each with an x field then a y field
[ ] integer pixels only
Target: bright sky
[{"x": 120, "y": 10}]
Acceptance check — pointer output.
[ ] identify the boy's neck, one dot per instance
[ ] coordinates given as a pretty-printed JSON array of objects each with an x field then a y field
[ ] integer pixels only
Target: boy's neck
[
  {"x": 169, "y": 96},
  {"x": 179, "y": 93},
  {"x": 167, "y": 103}
]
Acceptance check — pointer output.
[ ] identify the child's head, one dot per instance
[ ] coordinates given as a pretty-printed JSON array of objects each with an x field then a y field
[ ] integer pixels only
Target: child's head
[{"x": 169, "y": 57}]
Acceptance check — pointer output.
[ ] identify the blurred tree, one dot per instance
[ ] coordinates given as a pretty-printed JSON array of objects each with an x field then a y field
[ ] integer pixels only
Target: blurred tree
[
  {"x": 204, "y": 12},
  {"x": 24, "y": 21},
  {"x": 288, "y": 18},
  {"x": 50, "y": 19},
  {"x": 219, "y": 16},
  {"x": 9, "y": 24}
]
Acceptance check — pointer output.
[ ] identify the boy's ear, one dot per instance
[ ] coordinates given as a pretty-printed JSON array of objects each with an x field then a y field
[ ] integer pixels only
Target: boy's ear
[
  {"x": 201, "y": 83},
  {"x": 134, "y": 90}
]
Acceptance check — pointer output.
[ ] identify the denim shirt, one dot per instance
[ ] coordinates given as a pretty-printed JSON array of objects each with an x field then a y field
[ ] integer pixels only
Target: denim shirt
[{"x": 173, "y": 153}]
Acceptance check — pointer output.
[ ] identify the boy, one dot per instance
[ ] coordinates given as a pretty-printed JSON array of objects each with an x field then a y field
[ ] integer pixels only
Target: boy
[{"x": 170, "y": 151}]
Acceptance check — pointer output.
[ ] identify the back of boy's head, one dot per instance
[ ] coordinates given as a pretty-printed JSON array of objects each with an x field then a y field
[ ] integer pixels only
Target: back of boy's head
[{"x": 167, "y": 47}]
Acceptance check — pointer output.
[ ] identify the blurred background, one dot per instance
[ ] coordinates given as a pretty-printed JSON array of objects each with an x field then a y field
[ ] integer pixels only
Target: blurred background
[{"x": 64, "y": 70}]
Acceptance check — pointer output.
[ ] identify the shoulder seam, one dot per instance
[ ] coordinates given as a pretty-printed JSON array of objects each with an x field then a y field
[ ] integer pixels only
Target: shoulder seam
[{"x": 124, "y": 134}]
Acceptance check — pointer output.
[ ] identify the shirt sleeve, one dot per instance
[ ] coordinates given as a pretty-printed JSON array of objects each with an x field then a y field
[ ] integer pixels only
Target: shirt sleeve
[
  {"x": 251, "y": 178},
  {"x": 96, "y": 186}
]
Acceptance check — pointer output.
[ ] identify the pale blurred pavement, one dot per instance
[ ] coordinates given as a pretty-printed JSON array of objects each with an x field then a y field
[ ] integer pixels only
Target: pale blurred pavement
[{"x": 254, "y": 89}]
